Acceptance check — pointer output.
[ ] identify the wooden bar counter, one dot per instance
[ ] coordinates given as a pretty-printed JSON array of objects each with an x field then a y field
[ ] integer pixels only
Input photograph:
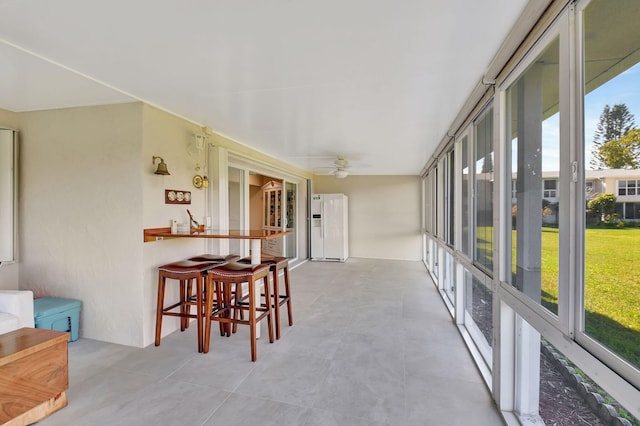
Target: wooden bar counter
[
  {"x": 256, "y": 236},
  {"x": 34, "y": 375},
  {"x": 156, "y": 234}
]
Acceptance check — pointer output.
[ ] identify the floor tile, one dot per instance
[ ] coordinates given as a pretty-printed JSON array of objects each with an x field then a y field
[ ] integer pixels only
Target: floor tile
[
  {"x": 243, "y": 410},
  {"x": 372, "y": 344},
  {"x": 286, "y": 378},
  {"x": 364, "y": 390},
  {"x": 330, "y": 418}
]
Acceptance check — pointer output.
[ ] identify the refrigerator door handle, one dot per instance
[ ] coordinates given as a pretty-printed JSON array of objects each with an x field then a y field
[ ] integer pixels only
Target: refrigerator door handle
[{"x": 322, "y": 223}]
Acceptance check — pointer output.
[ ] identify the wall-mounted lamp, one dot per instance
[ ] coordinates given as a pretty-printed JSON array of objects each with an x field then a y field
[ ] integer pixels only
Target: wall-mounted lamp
[
  {"x": 200, "y": 142},
  {"x": 200, "y": 181},
  {"x": 196, "y": 145},
  {"x": 162, "y": 166}
]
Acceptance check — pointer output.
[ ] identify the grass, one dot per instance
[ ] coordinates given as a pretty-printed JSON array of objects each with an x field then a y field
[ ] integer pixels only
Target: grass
[
  {"x": 612, "y": 286},
  {"x": 612, "y": 283}
]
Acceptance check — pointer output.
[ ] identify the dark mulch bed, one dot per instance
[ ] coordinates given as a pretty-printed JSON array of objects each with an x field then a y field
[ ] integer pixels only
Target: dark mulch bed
[{"x": 560, "y": 403}]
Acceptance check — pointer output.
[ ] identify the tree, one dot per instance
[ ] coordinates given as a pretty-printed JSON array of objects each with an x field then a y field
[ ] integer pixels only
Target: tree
[
  {"x": 602, "y": 206},
  {"x": 615, "y": 122},
  {"x": 623, "y": 153}
]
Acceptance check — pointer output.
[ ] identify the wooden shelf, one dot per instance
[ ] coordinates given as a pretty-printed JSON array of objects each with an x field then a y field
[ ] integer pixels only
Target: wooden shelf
[{"x": 159, "y": 234}]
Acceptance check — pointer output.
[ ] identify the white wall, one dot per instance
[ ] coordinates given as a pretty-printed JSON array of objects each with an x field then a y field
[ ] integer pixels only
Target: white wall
[
  {"x": 384, "y": 214},
  {"x": 87, "y": 191},
  {"x": 81, "y": 222},
  {"x": 166, "y": 136}
]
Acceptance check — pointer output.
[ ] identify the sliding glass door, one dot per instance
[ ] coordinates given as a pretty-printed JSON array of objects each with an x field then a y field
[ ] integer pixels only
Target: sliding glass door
[{"x": 290, "y": 220}]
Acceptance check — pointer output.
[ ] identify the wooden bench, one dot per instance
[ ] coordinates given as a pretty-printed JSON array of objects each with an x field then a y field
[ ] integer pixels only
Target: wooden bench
[{"x": 33, "y": 375}]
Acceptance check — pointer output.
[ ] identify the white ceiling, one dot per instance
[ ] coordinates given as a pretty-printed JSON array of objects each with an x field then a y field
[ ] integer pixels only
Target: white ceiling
[{"x": 377, "y": 81}]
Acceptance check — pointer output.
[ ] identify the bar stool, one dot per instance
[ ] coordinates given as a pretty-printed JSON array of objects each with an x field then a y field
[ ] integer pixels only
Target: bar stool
[
  {"x": 276, "y": 264},
  {"x": 218, "y": 260},
  {"x": 184, "y": 271},
  {"x": 226, "y": 282},
  {"x": 213, "y": 258}
]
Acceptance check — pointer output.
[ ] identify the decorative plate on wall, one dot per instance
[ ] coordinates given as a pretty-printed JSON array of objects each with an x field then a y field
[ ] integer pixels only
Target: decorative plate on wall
[{"x": 174, "y": 196}]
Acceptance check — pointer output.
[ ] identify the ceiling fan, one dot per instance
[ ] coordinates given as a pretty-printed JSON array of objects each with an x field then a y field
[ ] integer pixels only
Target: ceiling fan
[{"x": 339, "y": 168}]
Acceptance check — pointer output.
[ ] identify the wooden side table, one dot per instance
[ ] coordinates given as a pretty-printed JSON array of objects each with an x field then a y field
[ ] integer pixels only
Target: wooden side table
[{"x": 34, "y": 375}]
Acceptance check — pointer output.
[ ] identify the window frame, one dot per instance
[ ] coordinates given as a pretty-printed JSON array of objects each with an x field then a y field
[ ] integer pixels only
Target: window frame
[
  {"x": 511, "y": 309},
  {"x": 9, "y": 195},
  {"x": 488, "y": 110},
  {"x": 550, "y": 192},
  {"x": 617, "y": 376},
  {"x": 627, "y": 187}
]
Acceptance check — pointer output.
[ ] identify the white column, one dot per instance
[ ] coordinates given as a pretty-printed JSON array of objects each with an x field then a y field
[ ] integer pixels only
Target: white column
[
  {"x": 529, "y": 236},
  {"x": 219, "y": 197},
  {"x": 256, "y": 249}
]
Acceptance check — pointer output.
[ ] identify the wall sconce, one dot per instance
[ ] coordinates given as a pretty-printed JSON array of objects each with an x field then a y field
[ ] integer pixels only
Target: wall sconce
[
  {"x": 200, "y": 141},
  {"x": 162, "y": 166},
  {"x": 196, "y": 145},
  {"x": 200, "y": 181}
]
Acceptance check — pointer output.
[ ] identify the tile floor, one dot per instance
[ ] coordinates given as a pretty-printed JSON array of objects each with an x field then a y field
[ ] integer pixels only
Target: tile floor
[{"x": 372, "y": 344}]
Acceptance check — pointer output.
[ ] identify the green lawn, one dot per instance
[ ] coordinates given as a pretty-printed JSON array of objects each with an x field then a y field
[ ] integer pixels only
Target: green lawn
[{"x": 612, "y": 286}]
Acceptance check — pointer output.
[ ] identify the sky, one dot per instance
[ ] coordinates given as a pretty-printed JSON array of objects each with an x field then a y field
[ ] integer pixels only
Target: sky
[{"x": 625, "y": 88}]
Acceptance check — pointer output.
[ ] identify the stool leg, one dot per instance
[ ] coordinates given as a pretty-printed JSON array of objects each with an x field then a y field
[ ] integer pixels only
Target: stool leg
[
  {"x": 287, "y": 291},
  {"x": 208, "y": 308},
  {"x": 187, "y": 301},
  {"x": 199, "y": 313},
  {"x": 183, "y": 304},
  {"x": 220, "y": 303},
  {"x": 252, "y": 321},
  {"x": 160, "y": 307},
  {"x": 276, "y": 301},
  {"x": 267, "y": 299},
  {"x": 237, "y": 313},
  {"x": 226, "y": 290}
]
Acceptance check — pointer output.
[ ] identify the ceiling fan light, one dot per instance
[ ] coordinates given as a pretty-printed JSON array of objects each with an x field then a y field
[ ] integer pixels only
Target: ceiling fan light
[{"x": 341, "y": 174}]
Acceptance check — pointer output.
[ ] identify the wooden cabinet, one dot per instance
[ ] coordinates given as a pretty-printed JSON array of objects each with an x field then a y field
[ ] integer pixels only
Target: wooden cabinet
[
  {"x": 272, "y": 215},
  {"x": 34, "y": 374},
  {"x": 272, "y": 203}
]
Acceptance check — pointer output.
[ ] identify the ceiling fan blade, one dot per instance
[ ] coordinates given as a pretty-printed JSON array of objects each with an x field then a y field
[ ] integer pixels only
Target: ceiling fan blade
[{"x": 324, "y": 170}]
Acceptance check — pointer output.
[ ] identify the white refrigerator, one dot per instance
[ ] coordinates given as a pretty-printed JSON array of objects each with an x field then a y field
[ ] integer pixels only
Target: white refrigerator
[{"x": 329, "y": 227}]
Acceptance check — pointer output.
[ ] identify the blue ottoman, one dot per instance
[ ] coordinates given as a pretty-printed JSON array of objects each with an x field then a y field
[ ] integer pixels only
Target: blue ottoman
[{"x": 57, "y": 314}]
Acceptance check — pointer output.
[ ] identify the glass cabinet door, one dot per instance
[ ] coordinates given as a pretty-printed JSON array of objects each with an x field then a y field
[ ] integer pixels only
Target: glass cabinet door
[{"x": 272, "y": 201}]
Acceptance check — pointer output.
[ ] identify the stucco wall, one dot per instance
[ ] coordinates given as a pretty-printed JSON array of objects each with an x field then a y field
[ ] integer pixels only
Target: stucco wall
[
  {"x": 384, "y": 214},
  {"x": 167, "y": 136},
  {"x": 87, "y": 192},
  {"x": 80, "y": 204}
]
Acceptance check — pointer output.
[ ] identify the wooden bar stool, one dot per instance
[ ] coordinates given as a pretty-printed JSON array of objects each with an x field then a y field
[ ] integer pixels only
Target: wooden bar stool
[
  {"x": 218, "y": 259},
  {"x": 184, "y": 271},
  {"x": 226, "y": 282},
  {"x": 276, "y": 264}
]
